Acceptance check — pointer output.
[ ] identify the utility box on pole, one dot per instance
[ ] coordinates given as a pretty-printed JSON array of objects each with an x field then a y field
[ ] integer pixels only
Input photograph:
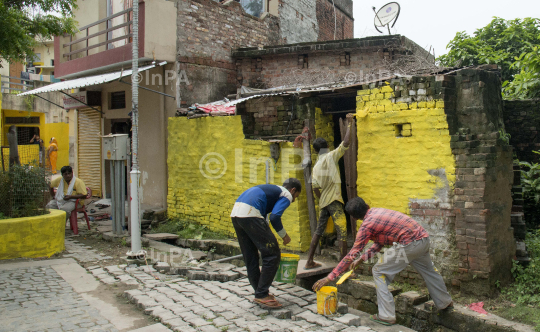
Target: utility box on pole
[{"x": 115, "y": 149}]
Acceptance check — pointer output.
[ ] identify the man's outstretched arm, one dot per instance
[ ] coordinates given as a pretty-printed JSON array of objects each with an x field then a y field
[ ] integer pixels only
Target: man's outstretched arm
[{"x": 347, "y": 138}]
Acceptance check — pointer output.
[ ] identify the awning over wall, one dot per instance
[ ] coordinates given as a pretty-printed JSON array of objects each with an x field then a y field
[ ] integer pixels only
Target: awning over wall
[{"x": 86, "y": 81}]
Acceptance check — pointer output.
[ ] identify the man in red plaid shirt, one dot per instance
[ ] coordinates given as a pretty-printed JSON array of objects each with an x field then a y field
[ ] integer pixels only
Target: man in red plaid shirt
[{"x": 410, "y": 244}]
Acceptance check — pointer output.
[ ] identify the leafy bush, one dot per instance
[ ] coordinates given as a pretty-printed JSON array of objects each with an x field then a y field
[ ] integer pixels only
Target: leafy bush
[
  {"x": 188, "y": 230},
  {"x": 526, "y": 289},
  {"x": 530, "y": 181},
  {"x": 24, "y": 191}
]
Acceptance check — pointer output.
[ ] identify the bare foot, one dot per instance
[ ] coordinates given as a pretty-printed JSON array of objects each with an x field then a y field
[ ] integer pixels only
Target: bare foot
[{"x": 312, "y": 265}]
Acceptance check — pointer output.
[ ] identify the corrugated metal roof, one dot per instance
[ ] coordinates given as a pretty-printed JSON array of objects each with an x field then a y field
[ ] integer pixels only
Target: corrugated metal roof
[{"x": 86, "y": 81}]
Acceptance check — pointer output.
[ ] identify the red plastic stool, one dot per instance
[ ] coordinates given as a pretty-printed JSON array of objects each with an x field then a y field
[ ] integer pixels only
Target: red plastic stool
[{"x": 73, "y": 216}]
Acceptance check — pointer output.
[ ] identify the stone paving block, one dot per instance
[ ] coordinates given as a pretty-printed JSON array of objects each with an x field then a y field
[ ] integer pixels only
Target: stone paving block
[
  {"x": 112, "y": 268},
  {"x": 209, "y": 328},
  {"x": 358, "y": 329},
  {"x": 98, "y": 271},
  {"x": 109, "y": 280},
  {"x": 258, "y": 311},
  {"x": 132, "y": 292},
  {"x": 311, "y": 307},
  {"x": 90, "y": 268},
  {"x": 162, "y": 267},
  {"x": 229, "y": 315},
  {"x": 197, "y": 275},
  {"x": 197, "y": 322},
  {"x": 212, "y": 275},
  {"x": 147, "y": 269},
  {"x": 153, "y": 310},
  {"x": 295, "y": 309},
  {"x": 310, "y": 298},
  {"x": 313, "y": 318},
  {"x": 348, "y": 319},
  {"x": 342, "y": 308},
  {"x": 246, "y": 304},
  {"x": 256, "y": 328},
  {"x": 221, "y": 321},
  {"x": 149, "y": 303},
  {"x": 175, "y": 322},
  {"x": 184, "y": 329},
  {"x": 405, "y": 302},
  {"x": 281, "y": 314},
  {"x": 293, "y": 299}
]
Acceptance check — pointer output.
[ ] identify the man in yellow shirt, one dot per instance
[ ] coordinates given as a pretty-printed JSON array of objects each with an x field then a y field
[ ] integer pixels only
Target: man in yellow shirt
[
  {"x": 69, "y": 190},
  {"x": 326, "y": 182}
]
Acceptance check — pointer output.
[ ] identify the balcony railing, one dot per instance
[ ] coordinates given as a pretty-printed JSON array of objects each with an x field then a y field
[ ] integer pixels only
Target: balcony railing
[
  {"x": 75, "y": 46},
  {"x": 11, "y": 83}
]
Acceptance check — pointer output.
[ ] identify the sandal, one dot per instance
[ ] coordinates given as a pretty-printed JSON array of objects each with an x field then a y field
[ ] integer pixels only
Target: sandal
[
  {"x": 268, "y": 302},
  {"x": 376, "y": 319}
]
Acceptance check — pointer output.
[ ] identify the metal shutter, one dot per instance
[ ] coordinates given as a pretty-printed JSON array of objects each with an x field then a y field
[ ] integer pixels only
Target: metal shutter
[{"x": 89, "y": 149}]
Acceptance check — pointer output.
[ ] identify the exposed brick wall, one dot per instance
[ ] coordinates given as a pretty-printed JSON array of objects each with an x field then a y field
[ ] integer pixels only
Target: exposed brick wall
[
  {"x": 331, "y": 61},
  {"x": 522, "y": 122},
  {"x": 344, "y": 29},
  {"x": 207, "y": 34},
  {"x": 277, "y": 116},
  {"x": 484, "y": 174}
]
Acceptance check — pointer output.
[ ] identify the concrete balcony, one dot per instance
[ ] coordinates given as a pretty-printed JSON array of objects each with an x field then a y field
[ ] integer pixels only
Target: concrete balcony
[{"x": 105, "y": 43}]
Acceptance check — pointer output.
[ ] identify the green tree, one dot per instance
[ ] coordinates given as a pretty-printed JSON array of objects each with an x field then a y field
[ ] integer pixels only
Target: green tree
[
  {"x": 500, "y": 42},
  {"x": 526, "y": 83},
  {"x": 24, "y": 21}
]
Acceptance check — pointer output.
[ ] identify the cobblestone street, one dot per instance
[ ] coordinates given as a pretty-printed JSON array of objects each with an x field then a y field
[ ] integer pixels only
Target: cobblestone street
[
  {"x": 27, "y": 296},
  {"x": 39, "y": 298}
]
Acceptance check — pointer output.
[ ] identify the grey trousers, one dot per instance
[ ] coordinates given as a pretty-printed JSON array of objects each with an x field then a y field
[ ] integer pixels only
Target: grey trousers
[
  {"x": 68, "y": 207},
  {"x": 394, "y": 261}
]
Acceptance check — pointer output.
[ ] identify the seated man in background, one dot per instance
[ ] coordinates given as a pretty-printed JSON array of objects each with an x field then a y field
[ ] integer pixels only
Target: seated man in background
[{"x": 69, "y": 190}]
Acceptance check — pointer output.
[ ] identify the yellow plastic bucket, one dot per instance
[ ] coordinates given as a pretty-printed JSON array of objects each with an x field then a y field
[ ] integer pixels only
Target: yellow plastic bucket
[
  {"x": 327, "y": 301},
  {"x": 287, "y": 268}
]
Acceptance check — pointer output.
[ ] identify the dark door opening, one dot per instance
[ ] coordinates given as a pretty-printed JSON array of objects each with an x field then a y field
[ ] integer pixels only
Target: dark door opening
[{"x": 337, "y": 142}]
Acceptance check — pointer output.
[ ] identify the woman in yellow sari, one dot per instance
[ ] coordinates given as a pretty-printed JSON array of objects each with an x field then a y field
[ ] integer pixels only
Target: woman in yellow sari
[{"x": 52, "y": 154}]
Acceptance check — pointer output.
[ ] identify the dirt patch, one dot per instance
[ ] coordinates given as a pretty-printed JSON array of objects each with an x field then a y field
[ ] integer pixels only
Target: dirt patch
[
  {"x": 114, "y": 295},
  {"x": 116, "y": 249}
]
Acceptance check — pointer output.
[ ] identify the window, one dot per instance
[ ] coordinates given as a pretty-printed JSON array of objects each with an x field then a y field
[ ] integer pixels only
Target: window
[
  {"x": 256, "y": 64},
  {"x": 21, "y": 120},
  {"x": 254, "y": 7},
  {"x": 118, "y": 100},
  {"x": 345, "y": 59},
  {"x": 303, "y": 61},
  {"x": 403, "y": 129}
]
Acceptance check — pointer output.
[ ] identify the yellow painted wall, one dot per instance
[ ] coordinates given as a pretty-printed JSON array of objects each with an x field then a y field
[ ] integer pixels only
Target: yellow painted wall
[
  {"x": 1, "y": 119},
  {"x": 13, "y": 113},
  {"x": 40, "y": 236},
  {"x": 60, "y": 131},
  {"x": 192, "y": 196},
  {"x": 393, "y": 170}
]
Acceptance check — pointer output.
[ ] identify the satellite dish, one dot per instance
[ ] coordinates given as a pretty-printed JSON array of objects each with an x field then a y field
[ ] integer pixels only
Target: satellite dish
[{"x": 387, "y": 14}]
